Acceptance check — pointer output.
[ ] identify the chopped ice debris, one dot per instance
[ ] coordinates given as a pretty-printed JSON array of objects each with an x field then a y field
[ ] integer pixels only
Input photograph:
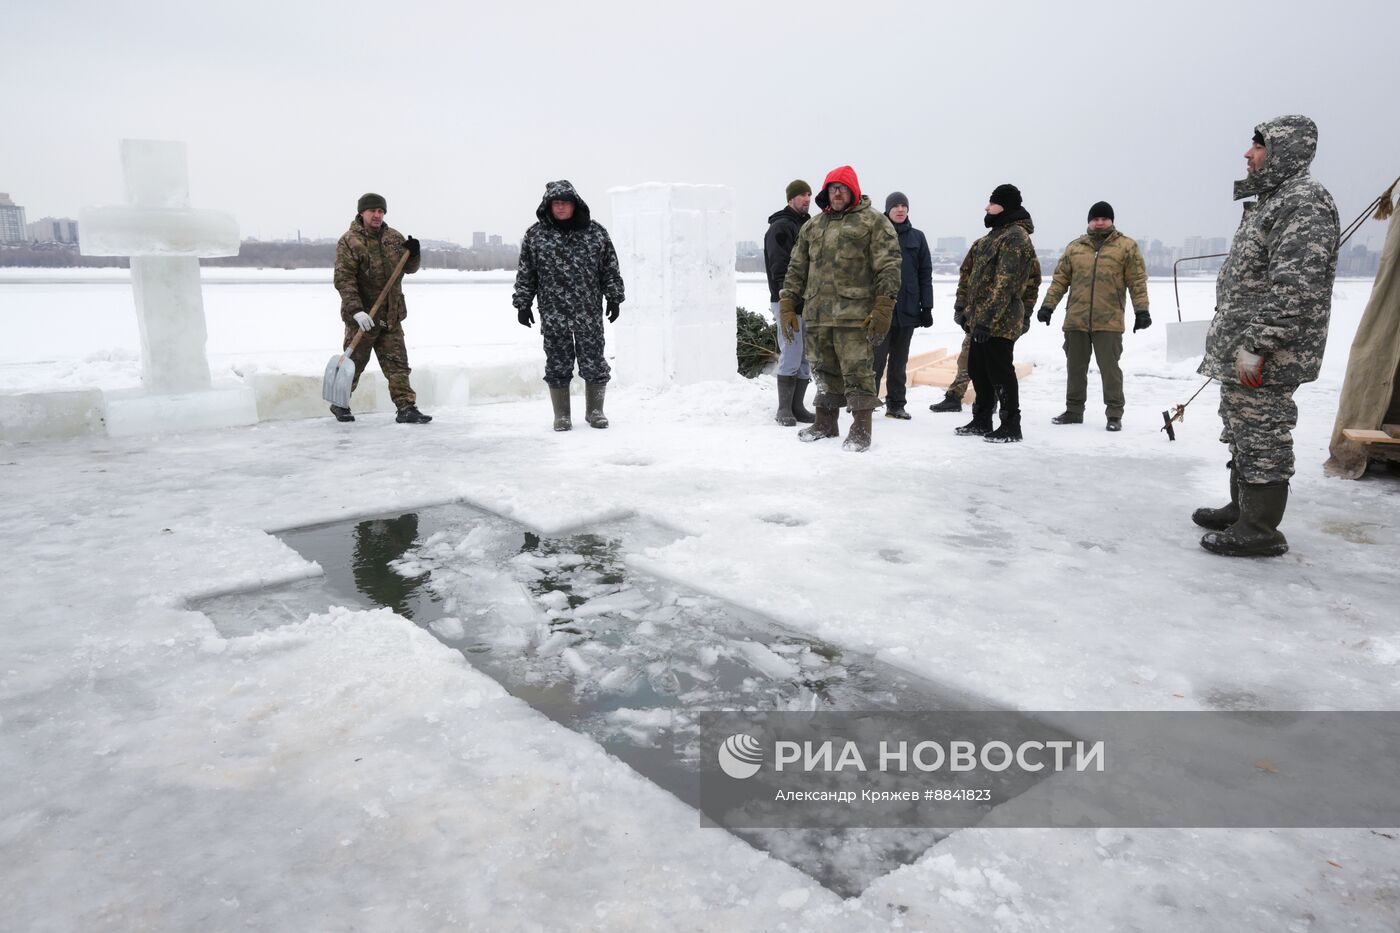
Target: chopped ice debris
[{"x": 576, "y": 662}]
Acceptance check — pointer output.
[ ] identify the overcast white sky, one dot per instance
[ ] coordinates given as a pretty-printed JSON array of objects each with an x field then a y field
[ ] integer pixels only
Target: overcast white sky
[{"x": 459, "y": 113}]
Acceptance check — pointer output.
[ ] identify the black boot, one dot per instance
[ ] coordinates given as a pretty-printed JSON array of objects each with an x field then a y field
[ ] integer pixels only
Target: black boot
[
  {"x": 786, "y": 387},
  {"x": 1222, "y": 518},
  {"x": 951, "y": 402},
  {"x": 981, "y": 423},
  {"x": 1010, "y": 430},
  {"x": 342, "y": 414},
  {"x": 593, "y": 393},
  {"x": 563, "y": 417},
  {"x": 1068, "y": 417},
  {"x": 799, "y": 409},
  {"x": 858, "y": 438},
  {"x": 1256, "y": 533},
  {"x": 409, "y": 414},
  {"x": 825, "y": 424},
  {"x": 897, "y": 411}
]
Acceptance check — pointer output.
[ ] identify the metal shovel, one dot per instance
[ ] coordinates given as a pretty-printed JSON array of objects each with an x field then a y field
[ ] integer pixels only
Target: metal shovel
[{"x": 340, "y": 371}]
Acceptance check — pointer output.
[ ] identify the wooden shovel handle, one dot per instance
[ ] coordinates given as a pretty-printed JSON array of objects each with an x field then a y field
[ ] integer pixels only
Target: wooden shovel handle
[{"x": 384, "y": 293}]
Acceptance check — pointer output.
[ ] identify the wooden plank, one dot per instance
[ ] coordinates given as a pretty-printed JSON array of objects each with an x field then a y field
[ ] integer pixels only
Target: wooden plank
[{"x": 1363, "y": 436}]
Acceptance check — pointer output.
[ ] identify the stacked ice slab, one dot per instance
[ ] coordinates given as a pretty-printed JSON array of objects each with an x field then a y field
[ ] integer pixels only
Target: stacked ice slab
[
  {"x": 675, "y": 244},
  {"x": 165, "y": 237}
]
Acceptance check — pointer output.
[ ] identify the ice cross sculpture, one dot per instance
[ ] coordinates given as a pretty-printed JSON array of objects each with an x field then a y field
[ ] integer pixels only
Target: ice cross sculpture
[{"x": 165, "y": 238}]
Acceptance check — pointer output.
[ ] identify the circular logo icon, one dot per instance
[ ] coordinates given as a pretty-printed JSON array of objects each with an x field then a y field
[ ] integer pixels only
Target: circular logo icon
[{"x": 740, "y": 756}]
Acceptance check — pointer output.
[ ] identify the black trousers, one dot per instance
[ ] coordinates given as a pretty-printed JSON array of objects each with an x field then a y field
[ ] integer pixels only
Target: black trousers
[
  {"x": 991, "y": 365},
  {"x": 895, "y": 349}
]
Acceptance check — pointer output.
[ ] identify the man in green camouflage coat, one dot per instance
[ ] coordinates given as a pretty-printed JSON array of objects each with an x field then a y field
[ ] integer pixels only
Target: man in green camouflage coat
[
  {"x": 846, "y": 266},
  {"x": 994, "y": 304},
  {"x": 1273, "y": 303},
  {"x": 365, "y": 257},
  {"x": 1098, "y": 270}
]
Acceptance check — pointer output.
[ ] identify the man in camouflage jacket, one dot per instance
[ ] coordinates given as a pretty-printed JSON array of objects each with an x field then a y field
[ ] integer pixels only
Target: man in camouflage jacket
[
  {"x": 846, "y": 268},
  {"x": 365, "y": 256},
  {"x": 1098, "y": 270},
  {"x": 993, "y": 304},
  {"x": 1273, "y": 303},
  {"x": 568, "y": 263}
]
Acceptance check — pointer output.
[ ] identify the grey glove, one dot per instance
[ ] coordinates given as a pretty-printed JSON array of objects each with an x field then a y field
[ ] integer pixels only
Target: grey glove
[{"x": 364, "y": 320}]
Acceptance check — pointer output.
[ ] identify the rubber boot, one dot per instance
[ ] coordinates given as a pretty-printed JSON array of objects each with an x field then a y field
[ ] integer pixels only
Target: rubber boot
[
  {"x": 1256, "y": 533},
  {"x": 593, "y": 393},
  {"x": 981, "y": 423},
  {"x": 1222, "y": 518},
  {"x": 858, "y": 438},
  {"x": 563, "y": 417},
  {"x": 799, "y": 409},
  {"x": 950, "y": 402},
  {"x": 786, "y": 387},
  {"x": 825, "y": 423}
]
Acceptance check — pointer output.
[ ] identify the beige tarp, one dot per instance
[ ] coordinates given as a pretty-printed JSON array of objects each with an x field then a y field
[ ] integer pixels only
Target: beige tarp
[{"x": 1368, "y": 393}]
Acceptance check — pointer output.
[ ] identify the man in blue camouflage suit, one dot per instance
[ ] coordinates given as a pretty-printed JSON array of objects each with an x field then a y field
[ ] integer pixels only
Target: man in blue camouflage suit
[
  {"x": 567, "y": 261},
  {"x": 1273, "y": 302}
]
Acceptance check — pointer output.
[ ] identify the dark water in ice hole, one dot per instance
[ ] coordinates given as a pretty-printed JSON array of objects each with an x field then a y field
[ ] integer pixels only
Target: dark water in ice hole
[{"x": 562, "y": 623}]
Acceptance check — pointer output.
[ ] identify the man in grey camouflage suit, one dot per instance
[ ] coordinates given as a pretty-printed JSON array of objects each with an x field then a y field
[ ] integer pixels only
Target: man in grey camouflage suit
[
  {"x": 567, "y": 261},
  {"x": 1273, "y": 301}
]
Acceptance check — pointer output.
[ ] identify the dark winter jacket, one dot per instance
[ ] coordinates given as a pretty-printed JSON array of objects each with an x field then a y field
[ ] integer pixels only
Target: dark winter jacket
[
  {"x": 915, "y": 276},
  {"x": 783, "y": 228},
  {"x": 364, "y": 260},
  {"x": 1274, "y": 293},
  {"x": 571, "y": 267}
]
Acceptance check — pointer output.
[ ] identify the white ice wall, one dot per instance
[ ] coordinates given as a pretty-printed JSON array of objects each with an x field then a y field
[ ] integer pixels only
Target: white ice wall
[{"x": 675, "y": 244}]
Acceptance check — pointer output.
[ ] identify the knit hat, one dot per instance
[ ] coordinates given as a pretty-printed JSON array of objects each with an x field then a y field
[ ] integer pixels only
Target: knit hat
[
  {"x": 797, "y": 186},
  {"x": 1008, "y": 196},
  {"x": 1259, "y": 139},
  {"x": 895, "y": 199},
  {"x": 1101, "y": 209},
  {"x": 370, "y": 201}
]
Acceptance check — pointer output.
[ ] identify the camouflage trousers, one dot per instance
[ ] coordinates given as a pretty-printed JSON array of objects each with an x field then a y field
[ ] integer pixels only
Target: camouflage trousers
[
  {"x": 567, "y": 338},
  {"x": 389, "y": 348},
  {"x": 1258, "y": 425},
  {"x": 960, "y": 382},
  {"x": 842, "y": 360}
]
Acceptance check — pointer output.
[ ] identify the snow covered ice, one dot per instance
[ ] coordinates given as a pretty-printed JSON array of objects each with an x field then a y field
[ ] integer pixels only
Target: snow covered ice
[{"x": 159, "y": 769}]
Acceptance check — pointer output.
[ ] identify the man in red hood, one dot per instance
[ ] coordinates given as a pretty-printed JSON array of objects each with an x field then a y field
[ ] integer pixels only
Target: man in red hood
[{"x": 845, "y": 270}]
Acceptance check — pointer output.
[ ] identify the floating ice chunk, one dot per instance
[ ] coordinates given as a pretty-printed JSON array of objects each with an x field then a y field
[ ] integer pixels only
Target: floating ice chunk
[
  {"x": 617, "y": 678},
  {"x": 623, "y": 599},
  {"x": 554, "y": 599},
  {"x": 766, "y": 662},
  {"x": 447, "y": 627},
  {"x": 576, "y": 662},
  {"x": 569, "y": 560}
]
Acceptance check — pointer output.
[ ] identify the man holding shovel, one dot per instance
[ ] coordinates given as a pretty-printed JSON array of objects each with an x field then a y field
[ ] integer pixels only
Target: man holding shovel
[{"x": 366, "y": 258}]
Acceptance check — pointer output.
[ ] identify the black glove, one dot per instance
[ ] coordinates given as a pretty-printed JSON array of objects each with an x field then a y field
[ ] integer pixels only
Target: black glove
[
  {"x": 1142, "y": 321},
  {"x": 525, "y": 316},
  {"x": 414, "y": 247},
  {"x": 1026, "y": 325},
  {"x": 960, "y": 318},
  {"x": 926, "y": 316},
  {"x": 980, "y": 334},
  {"x": 613, "y": 310},
  {"x": 1044, "y": 315}
]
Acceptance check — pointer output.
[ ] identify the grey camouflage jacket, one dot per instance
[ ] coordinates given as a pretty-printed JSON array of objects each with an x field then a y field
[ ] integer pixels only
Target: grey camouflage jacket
[
  {"x": 1274, "y": 294},
  {"x": 571, "y": 267}
]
